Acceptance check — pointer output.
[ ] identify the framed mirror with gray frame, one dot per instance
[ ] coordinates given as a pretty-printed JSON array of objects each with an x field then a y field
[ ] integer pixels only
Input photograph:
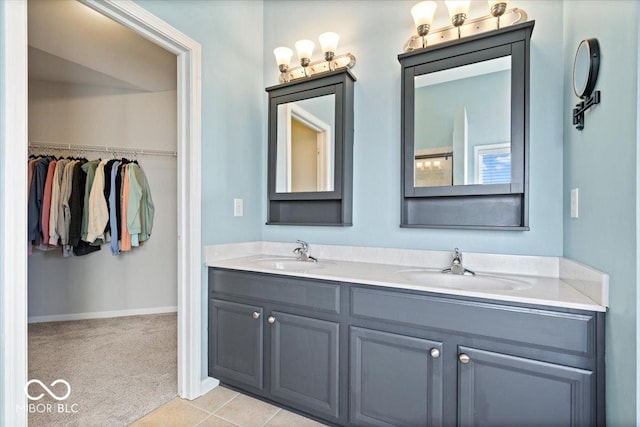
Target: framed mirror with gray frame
[
  {"x": 310, "y": 158},
  {"x": 465, "y": 132}
]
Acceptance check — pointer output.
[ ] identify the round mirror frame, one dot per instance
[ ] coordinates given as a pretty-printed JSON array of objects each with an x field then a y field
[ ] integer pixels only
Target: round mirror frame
[{"x": 593, "y": 50}]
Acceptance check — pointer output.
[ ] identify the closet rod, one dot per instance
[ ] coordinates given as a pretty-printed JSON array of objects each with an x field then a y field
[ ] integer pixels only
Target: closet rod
[{"x": 100, "y": 149}]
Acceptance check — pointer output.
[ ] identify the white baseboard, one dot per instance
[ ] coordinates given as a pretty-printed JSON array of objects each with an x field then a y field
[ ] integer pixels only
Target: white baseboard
[
  {"x": 208, "y": 384},
  {"x": 102, "y": 314}
]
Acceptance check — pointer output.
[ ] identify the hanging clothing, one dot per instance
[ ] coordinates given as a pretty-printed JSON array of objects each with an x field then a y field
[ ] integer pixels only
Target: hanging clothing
[
  {"x": 119, "y": 176},
  {"x": 113, "y": 202},
  {"x": 90, "y": 169},
  {"x": 79, "y": 204},
  {"x": 46, "y": 204},
  {"x": 98, "y": 212},
  {"x": 64, "y": 218},
  {"x": 76, "y": 203},
  {"x": 140, "y": 210},
  {"x": 36, "y": 195},
  {"x": 126, "y": 236},
  {"x": 54, "y": 235}
]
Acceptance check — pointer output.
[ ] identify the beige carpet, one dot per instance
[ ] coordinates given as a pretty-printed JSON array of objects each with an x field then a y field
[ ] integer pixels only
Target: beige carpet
[{"x": 119, "y": 369}]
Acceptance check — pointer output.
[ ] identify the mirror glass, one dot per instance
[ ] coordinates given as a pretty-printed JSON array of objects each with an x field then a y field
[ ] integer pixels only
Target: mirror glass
[
  {"x": 306, "y": 145},
  {"x": 581, "y": 67},
  {"x": 463, "y": 125}
]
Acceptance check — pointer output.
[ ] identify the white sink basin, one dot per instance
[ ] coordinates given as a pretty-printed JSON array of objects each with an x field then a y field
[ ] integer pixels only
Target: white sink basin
[
  {"x": 479, "y": 282},
  {"x": 288, "y": 264}
]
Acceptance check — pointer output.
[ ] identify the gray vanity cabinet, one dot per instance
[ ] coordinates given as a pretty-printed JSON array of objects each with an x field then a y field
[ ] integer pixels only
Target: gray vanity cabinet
[
  {"x": 395, "y": 380},
  {"x": 279, "y": 338},
  {"x": 496, "y": 389},
  {"x": 235, "y": 350},
  {"x": 304, "y": 362},
  {"x": 359, "y": 355}
]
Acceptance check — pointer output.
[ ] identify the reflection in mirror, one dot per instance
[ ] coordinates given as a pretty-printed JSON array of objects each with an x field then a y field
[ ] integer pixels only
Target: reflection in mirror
[
  {"x": 463, "y": 125},
  {"x": 306, "y": 145}
]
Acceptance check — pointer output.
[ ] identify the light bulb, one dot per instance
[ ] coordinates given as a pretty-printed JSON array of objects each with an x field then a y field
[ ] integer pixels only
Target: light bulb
[
  {"x": 304, "y": 49},
  {"x": 283, "y": 55},
  {"x": 423, "y": 13},
  {"x": 458, "y": 10},
  {"x": 457, "y": 7},
  {"x": 329, "y": 42}
]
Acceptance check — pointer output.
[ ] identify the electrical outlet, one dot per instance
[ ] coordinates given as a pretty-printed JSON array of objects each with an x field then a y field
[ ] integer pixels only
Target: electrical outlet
[
  {"x": 575, "y": 202},
  {"x": 238, "y": 207}
]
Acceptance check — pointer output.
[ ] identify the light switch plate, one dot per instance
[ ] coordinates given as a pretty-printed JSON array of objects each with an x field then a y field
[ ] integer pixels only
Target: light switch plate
[
  {"x": 238, "y": 207},
  {"x": 575, "y": 202}
]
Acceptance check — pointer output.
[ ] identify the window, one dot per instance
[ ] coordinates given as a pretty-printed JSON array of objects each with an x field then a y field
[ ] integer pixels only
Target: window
[{"x": 493, "y": 163}]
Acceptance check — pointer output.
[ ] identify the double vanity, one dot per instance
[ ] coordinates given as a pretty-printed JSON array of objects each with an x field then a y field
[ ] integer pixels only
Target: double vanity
[
  {"x": 383, "y": 337},
  {"x": 371, "y": 336}
]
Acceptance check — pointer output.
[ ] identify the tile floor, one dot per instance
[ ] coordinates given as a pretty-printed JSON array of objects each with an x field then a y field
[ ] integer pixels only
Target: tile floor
[{"x": 222, "y": 407}]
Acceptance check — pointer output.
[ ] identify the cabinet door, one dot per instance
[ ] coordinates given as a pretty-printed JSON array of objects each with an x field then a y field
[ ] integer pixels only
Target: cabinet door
[
  {"x": 304, "y": 363},
  {"x": 395, "y": 380},
  {"x": 500, "y": 390},
  {"x": 236, "y": 342}
]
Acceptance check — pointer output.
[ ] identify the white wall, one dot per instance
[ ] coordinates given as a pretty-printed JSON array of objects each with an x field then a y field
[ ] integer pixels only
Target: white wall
[{"x": 100, "y": 116}]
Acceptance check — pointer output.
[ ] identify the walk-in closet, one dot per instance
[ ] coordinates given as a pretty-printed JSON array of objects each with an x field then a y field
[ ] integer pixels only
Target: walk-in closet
[{"x": 102, "y": 268}]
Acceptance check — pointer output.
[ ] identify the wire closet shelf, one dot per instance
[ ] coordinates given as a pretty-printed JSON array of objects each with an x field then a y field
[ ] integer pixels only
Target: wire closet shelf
[{"x": 98, "y": 149}]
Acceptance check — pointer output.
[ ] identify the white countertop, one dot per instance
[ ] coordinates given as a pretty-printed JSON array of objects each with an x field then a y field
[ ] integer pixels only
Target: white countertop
[{"x": 573, "y": 291}]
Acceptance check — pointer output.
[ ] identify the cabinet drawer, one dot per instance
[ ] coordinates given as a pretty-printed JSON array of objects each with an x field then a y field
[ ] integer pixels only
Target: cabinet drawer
[
  {"x": 572, "y": 333},
  {"x": 306, "y": 293}
]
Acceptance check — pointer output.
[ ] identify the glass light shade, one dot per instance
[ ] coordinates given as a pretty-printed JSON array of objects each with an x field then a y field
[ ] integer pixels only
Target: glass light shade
[
  {"x": 457, "y": 7},
  {"x": 305, "y": 48},
  {"x": 283, "y": 55},
  {"x": 329, "y": 42},
  {"x": 423, "y": 13},
  {"x": 494, "y": 2}
]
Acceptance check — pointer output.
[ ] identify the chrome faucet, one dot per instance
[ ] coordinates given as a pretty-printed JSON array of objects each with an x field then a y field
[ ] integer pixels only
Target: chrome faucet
[
  {"x": 303, "y": 252},
  {"x": 456, "y": 265}
]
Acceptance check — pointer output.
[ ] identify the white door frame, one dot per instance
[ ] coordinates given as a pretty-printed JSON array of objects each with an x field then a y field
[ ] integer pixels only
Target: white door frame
[{"x": 13, "y": 199}]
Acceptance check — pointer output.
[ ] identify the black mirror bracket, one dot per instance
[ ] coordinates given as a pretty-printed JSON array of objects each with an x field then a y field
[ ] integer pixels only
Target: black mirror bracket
[{"x": 582, "y": 107}]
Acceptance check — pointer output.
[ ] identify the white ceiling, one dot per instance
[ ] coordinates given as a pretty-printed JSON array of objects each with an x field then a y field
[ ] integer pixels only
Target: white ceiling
[{"x": 71, "y": 43}]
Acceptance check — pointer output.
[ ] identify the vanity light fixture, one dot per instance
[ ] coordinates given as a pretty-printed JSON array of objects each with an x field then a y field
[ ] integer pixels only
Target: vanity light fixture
[
  {"x": 498, "y": 8},
  {"x": 423, "y": 18},
  {"x": 305, "y": 51},
  {"x": 329, "y": 45},
  {"x": 458, "y": 10},
  {"x": 304, "y": 48},
  {"x": 283, "y": 58},
  {"x": 460, "y": 24}
]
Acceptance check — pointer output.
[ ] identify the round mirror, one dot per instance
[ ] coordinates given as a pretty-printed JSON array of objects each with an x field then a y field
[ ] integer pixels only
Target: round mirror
[{"x": 585, "y": 67}]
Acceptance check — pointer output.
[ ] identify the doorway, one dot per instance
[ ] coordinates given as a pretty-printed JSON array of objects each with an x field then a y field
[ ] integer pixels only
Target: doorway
[{"x": 14, "y": 297}]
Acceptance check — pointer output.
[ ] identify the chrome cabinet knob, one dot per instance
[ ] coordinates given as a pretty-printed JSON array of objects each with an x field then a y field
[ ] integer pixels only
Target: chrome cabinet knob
[
  {"x": 256, "y": 315},
  {"x": 271, "y": 319},
  {"x": 464, "y": 358},
  {"x": 435, "y": 353}
]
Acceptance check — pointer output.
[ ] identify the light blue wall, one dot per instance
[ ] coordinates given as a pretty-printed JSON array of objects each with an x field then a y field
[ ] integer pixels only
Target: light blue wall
[
  {"x": 487, "y": 99},
  {"x": 232, "y": 110},
  {"x": 602, "y": 162},
  {"x": 232, "y": 116},
  {"x": 375, "y": 33}
]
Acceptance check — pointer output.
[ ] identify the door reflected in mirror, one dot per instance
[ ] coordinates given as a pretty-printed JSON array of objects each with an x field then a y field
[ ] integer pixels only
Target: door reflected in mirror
[
  {"x": 306, "y": 145},
  {"x": 463, "y": 125}
]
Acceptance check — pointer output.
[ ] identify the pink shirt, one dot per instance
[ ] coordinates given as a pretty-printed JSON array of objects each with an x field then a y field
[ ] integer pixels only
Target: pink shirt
[
  {"x": 46, "y": 202},
  {"x": 125, "y": 240}
]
